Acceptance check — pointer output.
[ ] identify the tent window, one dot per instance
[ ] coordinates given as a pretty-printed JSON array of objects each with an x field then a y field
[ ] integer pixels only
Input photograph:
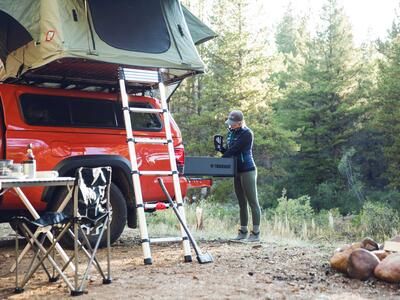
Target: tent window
[
  {"x": 12, "y": 35},
  {"x": 74, "y": 15},
  {"x": 131, "y": 25}
]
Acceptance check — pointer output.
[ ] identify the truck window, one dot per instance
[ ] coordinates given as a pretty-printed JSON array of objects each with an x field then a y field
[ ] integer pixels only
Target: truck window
[
  {"x": 142, "y": 121},
  {"x": 45, "y": 110},
  {"x": 93, "y": 113}
]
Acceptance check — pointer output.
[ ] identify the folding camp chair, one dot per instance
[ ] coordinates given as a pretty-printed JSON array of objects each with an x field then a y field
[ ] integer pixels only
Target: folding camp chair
[{"x": 91, "y": 213}]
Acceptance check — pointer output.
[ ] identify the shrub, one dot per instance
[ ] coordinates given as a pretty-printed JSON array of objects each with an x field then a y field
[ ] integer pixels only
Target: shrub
[
  {"x": 326, "y": 196},
  {"x": 331, "y": 195},
  {"x": 390, "y": 197},
  {"x": 222, "y": 190},
  {"x": 295, "y": 211},
  {"x": 378, "y": 220}
]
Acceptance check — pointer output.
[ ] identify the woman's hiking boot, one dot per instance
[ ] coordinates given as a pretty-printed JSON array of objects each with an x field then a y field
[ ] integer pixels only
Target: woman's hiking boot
[
  {"x": 253, "y": 237},
  {"x": 242, "y": 235}
]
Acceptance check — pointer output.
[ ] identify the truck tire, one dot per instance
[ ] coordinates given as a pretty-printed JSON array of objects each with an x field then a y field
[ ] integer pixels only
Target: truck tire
[{"x": 118, "y": 217}]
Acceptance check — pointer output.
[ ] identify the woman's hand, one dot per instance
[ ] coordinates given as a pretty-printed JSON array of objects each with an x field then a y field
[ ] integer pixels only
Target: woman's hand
[{"x": 219, "y": 143}]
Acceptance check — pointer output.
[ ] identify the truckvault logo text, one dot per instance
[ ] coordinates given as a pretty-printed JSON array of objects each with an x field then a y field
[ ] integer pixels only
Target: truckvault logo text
[{"x": 220, "y": 166}]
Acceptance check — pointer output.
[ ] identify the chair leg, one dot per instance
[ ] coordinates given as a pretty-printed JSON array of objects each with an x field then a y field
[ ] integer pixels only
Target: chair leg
[
  {"x": 85, "y": 251},
  {"x": 92, "y": 258},
  {"x": 108, "y": 279},
  {"x": 47, "y": 255},
  {"x": 36, "y": 255},
  {"x": 17, "y": 289},
  {"x": 76, "y": 289},
  {"x": 36, "y": 250},
  {"x": 53, "y": 277}
]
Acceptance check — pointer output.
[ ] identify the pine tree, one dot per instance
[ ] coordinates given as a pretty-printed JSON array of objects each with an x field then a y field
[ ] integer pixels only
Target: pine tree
[
  {"x": 235, "y": 69},
  {"x": 319, "y": 105},
  {"x": 388, "y": 104},
  {"x": 286, "y": 35},
  {"x": 291, "y": 40},
  {"x": 237, "y": 77}
]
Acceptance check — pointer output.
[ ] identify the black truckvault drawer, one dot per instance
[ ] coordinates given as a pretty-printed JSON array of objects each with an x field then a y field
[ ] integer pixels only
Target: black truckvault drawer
[{"x": 209, "y": 166}]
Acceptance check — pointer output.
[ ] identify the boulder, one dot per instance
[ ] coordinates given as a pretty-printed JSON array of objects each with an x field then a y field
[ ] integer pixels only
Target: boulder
[
  {"x": 369, "y": 244},
  {"x": 352, "y": 246},
  {"x": 389, "y": 268},
  {"x": 355, "y": 246},
  {"x": 361, "y": 264},
  {"x": 381, "y": 254},
  {"x": 339, "y": 260}
]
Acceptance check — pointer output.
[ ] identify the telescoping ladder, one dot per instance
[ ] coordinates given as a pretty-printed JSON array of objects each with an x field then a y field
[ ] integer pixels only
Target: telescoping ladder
[{"x": 151, "y": 77}]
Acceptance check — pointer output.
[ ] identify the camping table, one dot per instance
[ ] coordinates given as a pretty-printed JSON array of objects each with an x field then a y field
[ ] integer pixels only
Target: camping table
[{"x": 17, "y": 183}]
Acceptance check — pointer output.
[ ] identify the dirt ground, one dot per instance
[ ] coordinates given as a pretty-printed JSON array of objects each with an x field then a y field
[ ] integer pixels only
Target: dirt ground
[{"x": 270, "y": 270}]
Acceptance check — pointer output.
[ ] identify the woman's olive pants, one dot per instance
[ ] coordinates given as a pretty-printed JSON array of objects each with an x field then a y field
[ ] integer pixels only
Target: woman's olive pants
[{"x": 246, "y": 192}]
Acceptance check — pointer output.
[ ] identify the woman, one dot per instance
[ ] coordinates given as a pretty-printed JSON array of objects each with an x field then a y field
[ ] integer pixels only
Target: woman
[{"x": 239, "y": 145}]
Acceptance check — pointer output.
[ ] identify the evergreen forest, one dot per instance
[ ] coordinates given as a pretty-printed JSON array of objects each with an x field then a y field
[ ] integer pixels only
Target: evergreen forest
[{"x": 325, "y": 111}]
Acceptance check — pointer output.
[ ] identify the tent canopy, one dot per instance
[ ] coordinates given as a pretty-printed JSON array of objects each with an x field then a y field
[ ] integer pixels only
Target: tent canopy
[{"x": 87, "y": 40}]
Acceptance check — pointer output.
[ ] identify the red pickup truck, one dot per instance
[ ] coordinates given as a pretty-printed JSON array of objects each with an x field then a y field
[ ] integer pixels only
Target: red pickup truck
[{"x": 73, "y": 128}]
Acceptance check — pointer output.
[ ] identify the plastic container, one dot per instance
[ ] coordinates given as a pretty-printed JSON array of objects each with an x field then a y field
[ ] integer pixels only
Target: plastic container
[
  {"x": 29, "y": 167},
  {"x": 30, "y": 163}
]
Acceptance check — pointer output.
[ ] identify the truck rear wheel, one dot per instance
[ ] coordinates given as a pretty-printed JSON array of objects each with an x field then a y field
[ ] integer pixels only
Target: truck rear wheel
[{"x": 118, "y": 217}]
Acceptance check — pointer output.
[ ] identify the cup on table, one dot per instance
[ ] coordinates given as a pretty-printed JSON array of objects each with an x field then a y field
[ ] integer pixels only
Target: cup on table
[
  {"x": 29, "y": 167},
  {"x": 16, "y": 170}
]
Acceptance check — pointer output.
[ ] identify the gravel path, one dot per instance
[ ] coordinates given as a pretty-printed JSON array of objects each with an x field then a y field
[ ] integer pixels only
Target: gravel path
[{"x": 269, "y": 270}]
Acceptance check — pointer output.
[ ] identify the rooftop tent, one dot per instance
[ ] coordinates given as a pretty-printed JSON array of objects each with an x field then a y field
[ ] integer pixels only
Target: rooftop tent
[
  {"x": 200, "y": 32},
  {"x": 86, "y": 40}
]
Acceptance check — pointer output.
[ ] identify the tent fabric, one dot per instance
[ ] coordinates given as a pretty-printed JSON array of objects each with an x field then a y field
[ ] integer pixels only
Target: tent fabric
[
  {"x": 148, "y": 34},
  {"x": 199, "y": 31}
]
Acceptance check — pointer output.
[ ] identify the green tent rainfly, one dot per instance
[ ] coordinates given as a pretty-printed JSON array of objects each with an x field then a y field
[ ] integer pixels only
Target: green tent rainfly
[{"x": 86, "y": 40}]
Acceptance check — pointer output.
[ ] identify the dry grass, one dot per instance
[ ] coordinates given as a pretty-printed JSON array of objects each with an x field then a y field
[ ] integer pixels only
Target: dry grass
[{"x": 221, "y": 222}]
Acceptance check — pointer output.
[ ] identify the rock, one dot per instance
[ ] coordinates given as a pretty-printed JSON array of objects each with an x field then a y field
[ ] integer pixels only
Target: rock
[
  {"x": 389, "y": 268},
  {"x": 340, "y": 259},
  {"x": 369, "y": 244},
  {"x": 355, "y": 246},
  {"x": 348, "y": 246},
  {"x": 361, "y": 264},
  {"x": 341, "y": 256},
  {"x": 381, "y": 254}
]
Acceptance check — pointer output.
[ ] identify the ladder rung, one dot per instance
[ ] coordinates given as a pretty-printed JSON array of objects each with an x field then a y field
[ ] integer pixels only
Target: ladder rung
[
  {"x": 165, "y": 240},
  {"x": 136, "y": 75},
  {"x": 145, "y": 110},
  {"x": 160, "y": 173},
  {"x": 150, "y": 141}
]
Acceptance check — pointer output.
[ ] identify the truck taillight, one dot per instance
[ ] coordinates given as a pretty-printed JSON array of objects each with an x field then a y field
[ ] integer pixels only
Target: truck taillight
[{"x": 180, "y": 157}]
